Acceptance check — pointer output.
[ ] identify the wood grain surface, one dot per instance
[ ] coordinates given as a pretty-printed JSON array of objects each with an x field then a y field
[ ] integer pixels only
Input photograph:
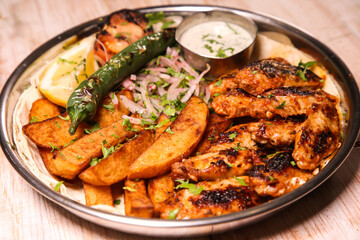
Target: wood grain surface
[{"x": 332, "y": 211}]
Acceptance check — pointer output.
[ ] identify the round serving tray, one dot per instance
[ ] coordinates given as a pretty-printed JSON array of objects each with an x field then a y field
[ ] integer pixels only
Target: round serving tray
[{"x": 185, "y": 228}]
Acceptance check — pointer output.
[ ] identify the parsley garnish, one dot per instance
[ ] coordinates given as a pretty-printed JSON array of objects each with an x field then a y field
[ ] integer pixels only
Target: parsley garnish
[
  {"x": 255, "y": 72},
  {"x": 106, "y": 151},
  {"x": 53, "y": 147},
  {"x": 282, "y": 105},
  {"x": 221, "y": 53},
  {"x": 117, "y": 202},
  {"x": 57, "y": 124},
  {"x": 34, "y": 119},
  {"x": 78, "y": 157},
  {"x": 231, "y": 28},
  {"x": 131, "y": 189},
  {"x": 241, "y": 181},
  {"x": 237, "y": 147},
  {"x": 173, "y": 213},
  {"x": 93, "y": 129},
  {"x": 67, "y": 118},
  {"x": 128, "y": 126},
  {"x": 167, "y": 24},
  {"x": 271, "y": 155},
  {"x": 192, "y": 187},
  {"x": 72, "y": 141},
  {"x": 271, "y": 178},
  {"x": 157, "y": 17},
  {"x": 114, "y": 135},
  {"x": 218, "y": 83},
  {"x": 62, "y": 60},
  {"x": 94, "y": 161},
  {"x": 293, "y": 163},
  {"x": 208, "y": 47},
  {"x": 303, "y": 68},
  {"x": 12, "y": 146},
  {"x": 168, "y": 130},
  {"x": 110, "y": 107},
  {"x": 233, "y": 135},
  {"x": 217, "y": 94},
  {"x": 270, "y": 96},
  {"x": 57, "y": 187}
]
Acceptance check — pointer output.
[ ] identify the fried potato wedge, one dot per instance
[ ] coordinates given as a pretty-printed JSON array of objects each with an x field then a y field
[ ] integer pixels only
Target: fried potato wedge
[
  {"x": 160, "y": 189},
  {"x": 137, "y": 202},
  {"x": 174, "y": 144},
  {"x": 96, "y": 195},
  {"x": 217, "y": 124},
  {"x": 108, "y": 113},
  {"x": 55, "y": 131},
  {"x": 115, "y": 167},
  {"x": 43, "y": 109},
  {"x": 52, "y": 132},
  {"x": 71, "y": 160},
  {"x": 162, "y": 119}
]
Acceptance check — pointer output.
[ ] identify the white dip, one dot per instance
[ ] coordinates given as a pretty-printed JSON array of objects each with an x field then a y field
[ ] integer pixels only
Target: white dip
[{"x": 216, "y": 39}]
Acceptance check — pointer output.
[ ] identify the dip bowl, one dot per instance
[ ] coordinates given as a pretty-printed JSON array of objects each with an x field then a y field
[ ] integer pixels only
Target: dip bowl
[{"x": 218, "y": 65}]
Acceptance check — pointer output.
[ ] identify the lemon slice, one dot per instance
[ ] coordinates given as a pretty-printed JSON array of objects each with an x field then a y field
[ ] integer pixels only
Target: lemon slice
[{"x": 67, "y": 71}]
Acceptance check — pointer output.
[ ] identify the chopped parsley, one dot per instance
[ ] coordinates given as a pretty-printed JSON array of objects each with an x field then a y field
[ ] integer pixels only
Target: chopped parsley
[
  {"x": 94, "y": 161},
  {"x": 237, "y": 147},
  {"x": 208, "y": 47},
  {"x": 231, "y": 28},
  {"x": 293, "y": 163},
  {"x": 131, "y": 189},
  {"x": 168, "y": 130},
  {"x": 72, "y": 141},
  {"x": 127, "y": 124},
  {"x": 303, "y": 67},
  {"x": 58, "y": 185},
  {"x": 233, "y": 135},
  {"x": 11, "y": 145},
  {"x": 173, "y": 213},
  {"x": 95, "y": 127},
  {"x": 167, "y": 24},
  {"x": 34, "y": 119},
  {"x": 57, "y": 124},
  {"x": 62, "y": 60},
  {"x": 271, "y": 178},
  {"x": 117, "y": 202},
  {"x": 67, "y": 118},
  {"x": 218, "y": 83},
  {"x": 271, "y": 155},
  {"x": 270, "y": 96},
  {"x": 255, "y": 72},
  {"x": 241, "y": 181},
  {"x": 110, "y": 107},
  {"x": 282, "y": 105},
  {"x": 157, "y": 17},
  {"x": 191, "y": 186},
  {"x": 106, "y": 151},
  {"x": 114, "y": 135},
  {"x": 53, "y": 147},
  {"x": 217, "y": 94}
]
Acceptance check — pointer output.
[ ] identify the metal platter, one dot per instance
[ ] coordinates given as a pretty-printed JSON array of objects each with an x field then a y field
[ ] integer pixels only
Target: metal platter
[{"x": 185, "y": 228}]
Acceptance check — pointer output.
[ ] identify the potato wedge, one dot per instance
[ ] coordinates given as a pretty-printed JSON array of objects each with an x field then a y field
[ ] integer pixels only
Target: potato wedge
[
  {"x": 108, "y": 113},
  {"x": 52, "y": 132},
  {"x": 71, "y": 160},
  {"x": 137, "y": 202},
  {"x": 217, "y": 124},
  {"x": 159, "y": 189},
  {"x": 43, "y": 109},
  {"x": 55, "y": 131},
  {"x": 115, "y": 167},
  {"x": 160, "y": 130},
  {"x": 95, "y": 195},
  {"x": 173, "y": 145}
]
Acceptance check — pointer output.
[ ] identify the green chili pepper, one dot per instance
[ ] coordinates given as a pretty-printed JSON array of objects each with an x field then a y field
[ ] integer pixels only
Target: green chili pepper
[{"x": 85, "y": 99}]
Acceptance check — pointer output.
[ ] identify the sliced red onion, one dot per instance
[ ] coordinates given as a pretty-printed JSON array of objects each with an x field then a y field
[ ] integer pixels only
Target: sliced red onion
[
  {"x": 133, "y": 77},
  {"x": 193, "y": 84},
  {"x": 133, "y": 107},
  {"x": 103, "y": 47},
  {"x": 132, "y": 119},
  {"x": 128, "y": 84},
  {"x": 114, "y": 98},
  {"x": 188, "y": 68}
]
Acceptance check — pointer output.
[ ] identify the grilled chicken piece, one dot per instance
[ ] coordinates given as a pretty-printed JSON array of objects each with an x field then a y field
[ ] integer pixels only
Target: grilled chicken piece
[
  {"x": 215, "y": 165},
  {"x": 283, "y": 102},
  {"x": 262, "y": 75},
  {"x": 123, "y": 28},
  {"x": 277, "y": 176},
  {"x": 318, "y": 137},
  {"x": 216, "y": 198},
  {"x": 279, "y": 133},
  {"x": 235, "y": 137},
  {"x": 217, "y": 124}
]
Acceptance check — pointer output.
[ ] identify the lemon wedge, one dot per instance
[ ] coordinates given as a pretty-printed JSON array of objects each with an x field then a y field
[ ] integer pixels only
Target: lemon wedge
[{"x": 67, "y": 71}]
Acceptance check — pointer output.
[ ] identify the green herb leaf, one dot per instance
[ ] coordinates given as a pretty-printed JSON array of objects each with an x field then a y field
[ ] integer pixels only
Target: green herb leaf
[
  {"x": 57, "y": 124},
  {"x": 231, "y": 28},
  {"x": 94, "y": 161},
  {"x": 270, "y": 96},
  {"x": 168, "y": 130},
  {"x": 173, "y": 213},
  {"x": 271, "y": 178},
  {"x": 233, "y": 135},
  {"x": 114, "y": 135},
  {"x": 78, "y": 157},
  {"x": 131, "y": 189},
  {"x": 11, "y": 145},
  {"x": 218, "y": 83},
  {"x": 167, "y": 24},
  {"x": 110, "y": 107},
  {"x": 293, "y": 163},
  {"x": 117, "y": 202},
  {"x": 126, "y": 122},
  {"x": 282, "y": 105},
  {"x": 106, "y": 151},
  {"x": 34, "y": 119},
  {"x": 237, "y": 147},
  {"x": 221, "y": 53},
  {"x": 217, "y": 94},
  {"x": 62, "y": 60},
  {"x": 241, "y": 181},
  {"x": 154, "y": 18},
  {"x": 208, "y": 47},
  {"x": 57, "y": 187},
  {"x": 271, "y": 155},
  {"x": 191, "y": 186},
  {"x": 53, "y": 147},
  {"x": 67, "y": 118},
  {"x": 303, "y": 68},
  {"x": 71, "y": 142},
  {"x": 170, "y": 111},
  {"x": 93, "y": 129}
]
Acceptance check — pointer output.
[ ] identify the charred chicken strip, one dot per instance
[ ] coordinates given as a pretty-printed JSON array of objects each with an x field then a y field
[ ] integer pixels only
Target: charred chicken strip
[
  {"x": 123, "y": 28},
  {"x": 318, "y": 137},
  {"x": 277, "y": 175},
  {"x": 283, "y": 102},
  {"x": 262, "y": 75},
  {"x": 214, "y": 166},
  {"x": 216, "y": 198},
  {"x": 235, "y": 137},
  {"x": 279, "y": 133}
]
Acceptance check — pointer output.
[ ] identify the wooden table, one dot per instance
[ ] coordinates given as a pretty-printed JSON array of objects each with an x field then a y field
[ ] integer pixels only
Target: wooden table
[{"x": 331, "y": 211}]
